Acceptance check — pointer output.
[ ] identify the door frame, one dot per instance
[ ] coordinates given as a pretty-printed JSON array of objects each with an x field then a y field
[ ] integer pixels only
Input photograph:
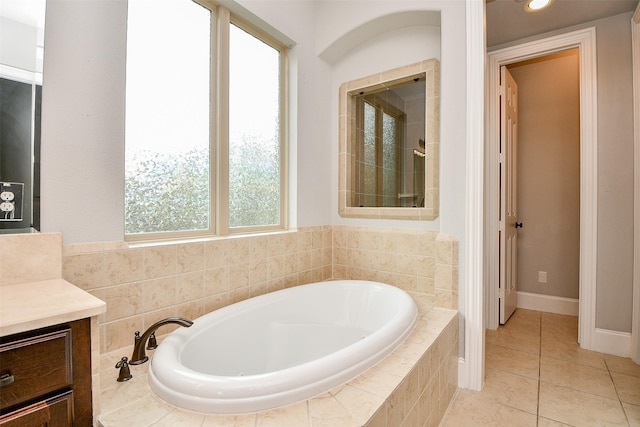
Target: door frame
[
  {"x": 585, "y": 41},
  {"x": 635, "y": 322}
]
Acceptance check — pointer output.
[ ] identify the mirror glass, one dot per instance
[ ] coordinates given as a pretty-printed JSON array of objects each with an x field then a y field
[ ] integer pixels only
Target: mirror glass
[
  {"x": 389, "y": 138},
  {"x": 21, "y": 58}
]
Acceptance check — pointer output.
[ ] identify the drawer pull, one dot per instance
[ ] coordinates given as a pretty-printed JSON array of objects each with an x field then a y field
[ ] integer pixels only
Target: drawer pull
[{"x": 6, "y": 379}]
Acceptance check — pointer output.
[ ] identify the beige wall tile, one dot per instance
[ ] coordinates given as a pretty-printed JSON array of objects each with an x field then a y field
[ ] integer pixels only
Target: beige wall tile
[
  {"x": 159, "y": 293},
  {"x": 190, "y": 286},
  {"x": 257, "y": 271},
  {"x": 218, "y": 272},
  {"x": 275, "y": 245},
  {"x": 214, "y": 302},
  {"x": 30, "y": 257},
  {"x": 160, "y": 261},
  {"x": 124, "y": 266},
  {"x": 238, "y": 276},
  {"x": 191, "y": 310},
  {"x": 216, "y": 253},
  {"x": 275, "y": 267},
  {"x": 190, "y": 257},
  {"x": 87, "y": 271},
  {"x": 216, "y": 281},
  {"x": 305, "y": 240},
  {"x": 120, "y": 333},
  {"x": 152, "y": 317},
  {"x": 123, "y": 301},
  {"x": 258, "y": 248},
  {"x": 239, "y": 249}
]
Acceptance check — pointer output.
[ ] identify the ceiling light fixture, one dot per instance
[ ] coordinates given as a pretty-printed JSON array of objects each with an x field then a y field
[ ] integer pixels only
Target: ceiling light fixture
[{"x": 536, "y": 5}]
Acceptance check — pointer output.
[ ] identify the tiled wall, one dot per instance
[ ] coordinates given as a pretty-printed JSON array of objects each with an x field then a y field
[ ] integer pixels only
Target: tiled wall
[
  {"x": 423, "y": 263},
  {"x": 142, "y": 285},
  {"x": 30, "y": 257}
]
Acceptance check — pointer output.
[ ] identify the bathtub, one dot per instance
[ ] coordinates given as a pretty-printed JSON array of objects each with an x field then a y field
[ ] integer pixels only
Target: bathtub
[{"x": 281, "y": 347}]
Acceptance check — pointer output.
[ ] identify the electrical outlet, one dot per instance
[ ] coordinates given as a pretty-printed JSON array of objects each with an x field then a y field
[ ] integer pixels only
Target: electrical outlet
[
  {"x": 542, "y": 276},
  {"x": 11, "y": 201}
]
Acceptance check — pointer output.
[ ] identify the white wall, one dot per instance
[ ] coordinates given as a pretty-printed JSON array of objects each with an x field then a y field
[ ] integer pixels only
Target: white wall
[
  {"x": 18, "y": 44},
  {"x": 82, "y": 179}
]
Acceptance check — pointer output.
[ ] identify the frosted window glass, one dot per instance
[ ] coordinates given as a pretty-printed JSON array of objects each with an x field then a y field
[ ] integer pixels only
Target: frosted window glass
[
  {"x": 167, "y": 117},
  {"x": 254, "y": 131}
]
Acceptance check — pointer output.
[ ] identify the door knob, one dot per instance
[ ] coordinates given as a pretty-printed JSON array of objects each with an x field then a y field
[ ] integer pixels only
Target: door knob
[{"x": 518, "y": 225}]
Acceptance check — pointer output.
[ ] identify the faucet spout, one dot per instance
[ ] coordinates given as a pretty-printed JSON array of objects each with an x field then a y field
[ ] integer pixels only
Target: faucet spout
[{"x": 139, "y": 356}]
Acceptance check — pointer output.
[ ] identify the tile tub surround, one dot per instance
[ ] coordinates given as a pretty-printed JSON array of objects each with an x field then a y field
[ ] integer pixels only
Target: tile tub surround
[
  {"x": 411, "y": 387},
  {"x": 146, "y": 283},
  {"x": 423, "y": 263}
]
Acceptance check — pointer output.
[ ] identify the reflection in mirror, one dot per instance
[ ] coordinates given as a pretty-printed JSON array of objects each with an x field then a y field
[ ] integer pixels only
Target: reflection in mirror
[
  {"x": 21, "y": 57},
  {"x": 389, "y": 139}
]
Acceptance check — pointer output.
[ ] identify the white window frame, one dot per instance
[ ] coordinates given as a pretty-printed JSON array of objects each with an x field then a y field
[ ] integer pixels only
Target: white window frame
[{"x": 221, "y": 20}]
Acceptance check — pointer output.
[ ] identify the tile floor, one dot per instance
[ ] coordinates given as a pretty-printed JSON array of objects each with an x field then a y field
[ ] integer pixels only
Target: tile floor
[{"x": 537, "y": 375}]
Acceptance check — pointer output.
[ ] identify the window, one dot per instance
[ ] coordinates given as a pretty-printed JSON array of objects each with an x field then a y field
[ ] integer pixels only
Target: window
[{"x": 204, "y": 132}]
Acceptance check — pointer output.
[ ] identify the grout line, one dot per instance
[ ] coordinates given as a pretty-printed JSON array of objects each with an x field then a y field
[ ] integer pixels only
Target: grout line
[{"x": 615, "y": 387}]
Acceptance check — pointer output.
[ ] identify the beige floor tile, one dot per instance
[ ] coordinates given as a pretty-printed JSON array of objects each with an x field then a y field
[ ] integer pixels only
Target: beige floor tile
[
  {"x": 571, "y": 352},
  {"x": 180, "y": 418},
  {"x": 239, "y": 420},
  {"x": 578, "y": 377},
  {"x": 512, "y": 361},
  {"x": 623, "y": 365},
  {"x": 294, "y": 415},
  {"x": 472, "y": 409},
  {"x": 523, "y": 326},
  {"x": 579, "y": 408},
  {"x": 558, "y": 332},
  {"x": 545, "y": 422},
  {"x": 523, "y": 313},
  {"x": 516, "y": 339},
  {"x": 512, "y": 390},
  {"x": 628, "y": 387},
  {"x": 148, "y": 410},
  {"x": 560, "y": 320},
  {"x": 633, "y": 414}
]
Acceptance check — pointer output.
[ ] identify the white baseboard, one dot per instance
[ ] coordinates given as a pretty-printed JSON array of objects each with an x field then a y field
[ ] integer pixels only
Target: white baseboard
[
  {"x": 612, "y": 342},
  {"x": 548, "y": 303},
  {"x": 463, "y": 373}
]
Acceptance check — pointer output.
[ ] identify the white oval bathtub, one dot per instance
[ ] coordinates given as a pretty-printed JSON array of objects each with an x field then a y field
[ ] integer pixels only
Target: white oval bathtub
[{"x": 281, "y": 347}]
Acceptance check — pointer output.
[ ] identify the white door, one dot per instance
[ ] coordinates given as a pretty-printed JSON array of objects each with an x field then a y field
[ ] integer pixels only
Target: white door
[{"x": 508, "y": 195}]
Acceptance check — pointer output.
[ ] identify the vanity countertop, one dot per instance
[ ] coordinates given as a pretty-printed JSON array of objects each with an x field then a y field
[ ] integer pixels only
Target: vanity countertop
[{"x": 33, "y": 305}]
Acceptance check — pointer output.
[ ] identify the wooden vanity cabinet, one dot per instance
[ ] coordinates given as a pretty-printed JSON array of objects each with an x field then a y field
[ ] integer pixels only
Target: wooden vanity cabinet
[{"x": 45, "y": 377}]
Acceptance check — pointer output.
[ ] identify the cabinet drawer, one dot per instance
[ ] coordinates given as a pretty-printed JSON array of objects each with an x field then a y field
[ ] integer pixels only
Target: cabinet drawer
[
  {"x": 54, "y": 412},
  {"x": 33, "y": 366}
]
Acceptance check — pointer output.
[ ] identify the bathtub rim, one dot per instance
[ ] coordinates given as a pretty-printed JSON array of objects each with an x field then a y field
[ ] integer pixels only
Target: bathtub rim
[{"x": 268, "y": 395}]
